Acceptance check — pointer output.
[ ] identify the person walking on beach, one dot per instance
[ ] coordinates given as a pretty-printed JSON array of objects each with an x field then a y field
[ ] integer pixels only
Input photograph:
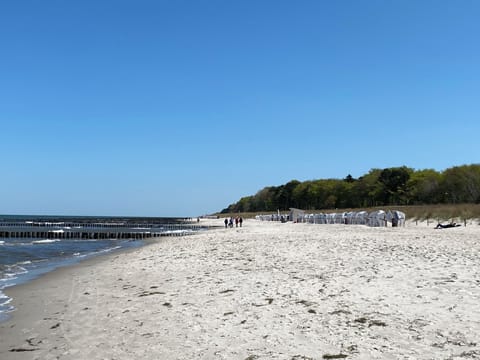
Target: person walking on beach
[
  {"x": 236, "y": 221},
  {"x": 226, "y": 222},
  {"x": 240, "y": 221}
]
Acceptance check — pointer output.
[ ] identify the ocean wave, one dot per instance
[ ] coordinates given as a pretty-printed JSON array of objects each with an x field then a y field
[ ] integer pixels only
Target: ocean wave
[
  {"x": 4, "y": 303},
  {"x": 4, "y": 299},
  {"x": 2, "y": 242},
  {"x": 99, "y": 252},
  {"x": 16, "y": 243},
  {"x": 46, "y": 241},
  {"x": 179, "y": 232},
  {"x": 10, "y": 272},
  {"x": 111, "y": 249}
]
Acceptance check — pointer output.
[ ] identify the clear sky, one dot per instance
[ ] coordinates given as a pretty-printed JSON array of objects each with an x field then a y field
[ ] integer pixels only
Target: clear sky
[{"x": 180, "y": 108}]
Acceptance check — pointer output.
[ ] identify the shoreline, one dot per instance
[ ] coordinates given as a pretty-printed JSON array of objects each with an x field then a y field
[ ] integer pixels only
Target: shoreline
[
  {"x": 49, "y": 265},
  {"x": 263, "y": 291},
  {"x": 35, "y": 299},
  {"x": 57, "y": 272}
]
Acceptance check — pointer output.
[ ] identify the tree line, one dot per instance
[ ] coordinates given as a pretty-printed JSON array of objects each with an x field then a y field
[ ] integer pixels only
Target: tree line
[{"x": 379, "y": 187}]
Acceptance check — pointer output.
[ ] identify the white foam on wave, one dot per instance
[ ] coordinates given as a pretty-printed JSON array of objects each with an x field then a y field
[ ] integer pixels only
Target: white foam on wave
[
  {"x": 4, "y": 301},
  {"x": 2, "y": 242},
  {"x": 11, "y": 271},
  {"x": 9, "y": 276},
  {"x": 182, "y": 232},
  {"x": 46, "y": 241},
  {"x": 107, "y": 250},
  {"x": 7, "y": 283}
]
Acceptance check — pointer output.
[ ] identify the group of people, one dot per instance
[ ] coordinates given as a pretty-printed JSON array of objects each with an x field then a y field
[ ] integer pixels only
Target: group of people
[{"x": 229, "y": 222}]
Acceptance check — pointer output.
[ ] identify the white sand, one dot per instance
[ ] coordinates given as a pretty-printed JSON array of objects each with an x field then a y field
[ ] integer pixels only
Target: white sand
[{"x": 263, "y": 291}]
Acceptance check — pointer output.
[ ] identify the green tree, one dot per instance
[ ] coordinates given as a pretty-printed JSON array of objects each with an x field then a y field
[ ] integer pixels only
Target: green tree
[
  {"x": 284, "y": 195},
  {"x": 300, "y": 195},
  {"x": 461, "y": 184},
  {"x": 423, "y": 187},
  {"x": 394, "y": 181},
  {"x": 373, "y": 188},
  {"x": 389, "y": 186}
]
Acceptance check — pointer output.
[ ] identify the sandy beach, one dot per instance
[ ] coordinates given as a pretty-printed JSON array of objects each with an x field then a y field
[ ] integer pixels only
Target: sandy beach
[{"x": 263, "y": 291}]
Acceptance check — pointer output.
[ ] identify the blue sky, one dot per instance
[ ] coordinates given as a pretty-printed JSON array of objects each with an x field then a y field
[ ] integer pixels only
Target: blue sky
[{"x": 179, "y": 108}]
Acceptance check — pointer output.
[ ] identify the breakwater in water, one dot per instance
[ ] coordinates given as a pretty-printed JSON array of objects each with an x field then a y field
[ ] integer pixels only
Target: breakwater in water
[
  {"x": 94, "y": 228},
  {"x": 94, "y": 231}
]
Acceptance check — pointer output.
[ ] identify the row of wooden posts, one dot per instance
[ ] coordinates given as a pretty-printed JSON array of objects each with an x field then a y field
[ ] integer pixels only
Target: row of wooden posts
[{"x": 131, "y": 232}]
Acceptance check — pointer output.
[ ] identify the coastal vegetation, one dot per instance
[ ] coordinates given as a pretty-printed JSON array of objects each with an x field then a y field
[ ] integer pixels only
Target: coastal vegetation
[
  {"x": 434, "y": 212},
  {"x": 454, "y": 192}
]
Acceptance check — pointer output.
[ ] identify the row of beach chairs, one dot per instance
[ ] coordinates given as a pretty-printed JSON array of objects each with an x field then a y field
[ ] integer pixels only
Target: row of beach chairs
[{"x": 375, "y": 218}]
